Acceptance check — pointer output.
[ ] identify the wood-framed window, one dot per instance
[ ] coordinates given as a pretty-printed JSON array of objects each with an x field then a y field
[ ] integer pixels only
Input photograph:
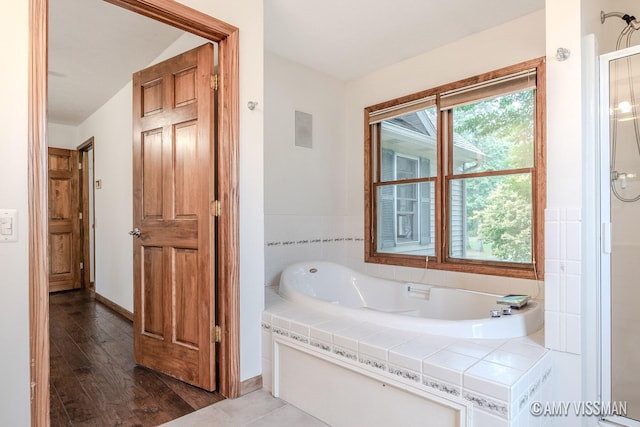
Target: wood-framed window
[{"x": 455, "y": 175}]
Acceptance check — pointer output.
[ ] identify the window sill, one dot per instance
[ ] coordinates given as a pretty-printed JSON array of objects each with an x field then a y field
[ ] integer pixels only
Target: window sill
[{"x": 526, "y": 271}]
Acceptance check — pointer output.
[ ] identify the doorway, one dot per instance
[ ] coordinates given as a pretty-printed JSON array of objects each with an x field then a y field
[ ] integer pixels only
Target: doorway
[
  {"x": 227, "y": 276},
  {"x": 87, "y": 215},
  {"x": 620, "y": 210}
]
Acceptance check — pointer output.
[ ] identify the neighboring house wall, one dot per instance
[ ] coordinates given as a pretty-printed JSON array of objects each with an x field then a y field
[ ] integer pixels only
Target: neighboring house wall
[
  {"x": 387, "y": 213},
  {"x": 427, "y": 204},
  {"x": 386, "y": 202},
  {"x": 458, "y": 214}
]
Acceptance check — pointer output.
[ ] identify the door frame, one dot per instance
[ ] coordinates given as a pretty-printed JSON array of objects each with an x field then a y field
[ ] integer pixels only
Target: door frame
[
  {"x": 228, "y": 272},
  {"x": 86, "y": 181}
]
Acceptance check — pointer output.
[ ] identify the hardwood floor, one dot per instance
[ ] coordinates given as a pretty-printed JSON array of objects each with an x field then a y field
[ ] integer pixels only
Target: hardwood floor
[{"x": 94, "y": 381}]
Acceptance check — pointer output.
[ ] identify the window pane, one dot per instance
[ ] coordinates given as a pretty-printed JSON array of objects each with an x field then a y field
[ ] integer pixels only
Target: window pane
[
  {"x": 408, "y": 146},
  {"x": 406, "y": 219},
  {"x": 406, "y": 168},
  {"x": 494, "y": 134},
  {"x": 490, "y": 218}
]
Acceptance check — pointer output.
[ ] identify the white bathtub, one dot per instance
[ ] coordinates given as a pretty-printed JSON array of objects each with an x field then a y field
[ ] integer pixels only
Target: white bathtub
[{"x": 332, "y": 288}]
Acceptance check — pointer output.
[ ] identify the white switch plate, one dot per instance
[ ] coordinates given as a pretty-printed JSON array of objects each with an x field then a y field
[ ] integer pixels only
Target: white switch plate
[{"x": 8, "y": 225}]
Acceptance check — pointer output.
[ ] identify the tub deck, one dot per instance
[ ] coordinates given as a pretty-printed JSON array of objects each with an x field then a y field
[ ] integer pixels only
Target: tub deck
[{"x": 497, "y": 379}]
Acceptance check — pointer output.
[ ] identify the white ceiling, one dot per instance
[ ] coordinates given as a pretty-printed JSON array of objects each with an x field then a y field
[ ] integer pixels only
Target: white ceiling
[
  {"x": 349, "y": 38},
  {"x": 94, "y": 47}
]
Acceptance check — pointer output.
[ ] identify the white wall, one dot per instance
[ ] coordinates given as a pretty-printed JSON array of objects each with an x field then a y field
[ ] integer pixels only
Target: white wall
[
  {"x": 111, "y": 128},
  {"x": 608, "y": 32},
  {"x": 305, "y": 195},
  {"x": 14, "y": 258},
  {"x": 563, "y": 321},
  {"x": 501, "y": 46},
  {"x": 62, "y": 136}
]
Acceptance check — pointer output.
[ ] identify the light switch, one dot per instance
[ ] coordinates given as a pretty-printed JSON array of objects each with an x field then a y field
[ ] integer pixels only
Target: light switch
[{"x": 8, "y": 225}]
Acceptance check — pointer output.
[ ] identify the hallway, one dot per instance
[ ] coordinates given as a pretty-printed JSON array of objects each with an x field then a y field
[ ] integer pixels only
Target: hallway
[{"x": 94, "y": 380}]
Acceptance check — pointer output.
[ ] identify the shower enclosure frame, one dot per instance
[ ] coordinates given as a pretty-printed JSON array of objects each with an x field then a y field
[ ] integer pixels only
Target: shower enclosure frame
[{"x": 605, "y": 229}]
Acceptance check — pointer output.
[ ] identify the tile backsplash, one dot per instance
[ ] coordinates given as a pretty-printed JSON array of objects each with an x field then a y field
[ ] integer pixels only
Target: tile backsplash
[
  {"x": 563, "y": 275},
  {"x": 340, "y": 239},
  {"x": 293, "y": 238}
]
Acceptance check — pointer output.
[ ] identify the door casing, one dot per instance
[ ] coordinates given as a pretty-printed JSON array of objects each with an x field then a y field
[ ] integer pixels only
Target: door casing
[
  {"x": 228, "y": 272},
  {"x": 87, "y": 207}
]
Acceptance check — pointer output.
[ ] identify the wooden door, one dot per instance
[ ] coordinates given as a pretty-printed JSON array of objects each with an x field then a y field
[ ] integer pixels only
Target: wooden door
[
  {"x": 173, "y": 189},
  {"x": 63, "y": 219}
]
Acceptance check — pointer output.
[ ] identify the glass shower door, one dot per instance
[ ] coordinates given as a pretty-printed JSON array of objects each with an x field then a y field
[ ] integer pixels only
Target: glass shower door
[{"x": 620, "y": 193}]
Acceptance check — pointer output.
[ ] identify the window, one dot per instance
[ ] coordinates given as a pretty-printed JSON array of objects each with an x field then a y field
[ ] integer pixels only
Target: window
[{"x": 454, "y": 175}]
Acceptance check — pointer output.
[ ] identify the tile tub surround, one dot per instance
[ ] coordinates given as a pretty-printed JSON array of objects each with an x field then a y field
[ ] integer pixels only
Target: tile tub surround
[{"x": 497, "y": 378}]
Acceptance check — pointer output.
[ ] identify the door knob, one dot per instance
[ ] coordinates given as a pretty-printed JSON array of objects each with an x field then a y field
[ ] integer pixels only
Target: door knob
[{"x": 135, "y": 232}]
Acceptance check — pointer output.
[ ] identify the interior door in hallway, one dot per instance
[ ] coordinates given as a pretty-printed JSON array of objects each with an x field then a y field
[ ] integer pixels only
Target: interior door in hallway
[
  {"x": 173, "y": 191},
  {"x": 63, "y": 219}
]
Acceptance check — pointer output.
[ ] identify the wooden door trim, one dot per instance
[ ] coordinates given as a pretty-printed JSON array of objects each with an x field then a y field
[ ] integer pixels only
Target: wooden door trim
[
  {"x": 190, "y": 20},
  {"x": 37, "y": 199},
  {"x": 85, "y": 181},
  {"x": 86, "y": 146}
]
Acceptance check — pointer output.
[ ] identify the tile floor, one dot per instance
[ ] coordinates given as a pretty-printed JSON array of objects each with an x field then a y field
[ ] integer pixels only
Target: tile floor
[{"x": 257, "y": 409}]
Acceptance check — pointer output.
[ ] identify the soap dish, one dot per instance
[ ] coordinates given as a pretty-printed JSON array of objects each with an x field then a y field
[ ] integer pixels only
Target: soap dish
[{"x": 514, "y": 301}]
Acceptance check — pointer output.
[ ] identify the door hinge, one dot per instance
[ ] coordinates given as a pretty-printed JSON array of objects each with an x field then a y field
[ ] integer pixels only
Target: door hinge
[
  {"x": 79, "y": 165},
  {"x": 216, "y": 334},
  {"x": 82, "y": 266},
  {"x": 80, "y": 215},
  {"x": 214, "y": 81},
  {"x": 215, "y": 208}
]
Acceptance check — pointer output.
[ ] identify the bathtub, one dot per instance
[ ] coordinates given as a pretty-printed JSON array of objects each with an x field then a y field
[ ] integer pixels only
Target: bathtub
[{"x": 332, "y": 288}]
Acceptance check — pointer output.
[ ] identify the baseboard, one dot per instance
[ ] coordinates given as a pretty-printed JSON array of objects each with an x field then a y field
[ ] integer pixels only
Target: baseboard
[
  {"x": 252, "y": 384},
  {"x": 113, "y": 306}
]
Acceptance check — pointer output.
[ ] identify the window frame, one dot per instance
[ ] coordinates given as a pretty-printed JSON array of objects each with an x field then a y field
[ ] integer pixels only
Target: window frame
[{"x": 441, "y": 260}]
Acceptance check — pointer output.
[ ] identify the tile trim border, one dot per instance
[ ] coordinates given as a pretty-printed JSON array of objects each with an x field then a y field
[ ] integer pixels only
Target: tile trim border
[
  {"x": 313, "y": 241},
  {"x": 442, "y": 386},
  {"x": 488, "y": 404}
]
